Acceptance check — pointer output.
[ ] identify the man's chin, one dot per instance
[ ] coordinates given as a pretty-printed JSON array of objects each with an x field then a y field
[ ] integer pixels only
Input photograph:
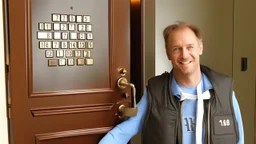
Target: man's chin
[{"x": 185, "y": 71}]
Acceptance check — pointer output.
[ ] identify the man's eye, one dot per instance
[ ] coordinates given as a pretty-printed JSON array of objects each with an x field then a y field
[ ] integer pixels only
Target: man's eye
[
  {"x": 176, "y": 49},
  {"x": 190, "y": 47}
]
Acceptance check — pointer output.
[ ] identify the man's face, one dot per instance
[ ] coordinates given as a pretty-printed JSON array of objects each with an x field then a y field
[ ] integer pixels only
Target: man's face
[{"x": 184, "y": 49}]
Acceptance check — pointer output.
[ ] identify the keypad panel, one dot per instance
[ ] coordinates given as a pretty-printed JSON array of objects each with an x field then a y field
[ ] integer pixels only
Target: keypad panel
[{"x": 67, "y": 40}]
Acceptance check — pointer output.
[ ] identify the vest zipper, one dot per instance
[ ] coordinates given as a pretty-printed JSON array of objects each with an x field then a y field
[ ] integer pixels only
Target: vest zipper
[
  {"x": 209, "y": 124},
  {"x": 181, "y": 120}
]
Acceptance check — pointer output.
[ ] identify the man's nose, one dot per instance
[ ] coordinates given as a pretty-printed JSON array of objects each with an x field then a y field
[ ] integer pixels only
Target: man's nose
[{"x": 184, "y": 52}]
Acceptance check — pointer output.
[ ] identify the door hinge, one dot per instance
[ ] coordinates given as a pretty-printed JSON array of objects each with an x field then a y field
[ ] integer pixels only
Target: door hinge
[
  {"x": 9, "y": 111},
  {"x": 9, "y": 106},
  {"x": 7, "y": 69}
]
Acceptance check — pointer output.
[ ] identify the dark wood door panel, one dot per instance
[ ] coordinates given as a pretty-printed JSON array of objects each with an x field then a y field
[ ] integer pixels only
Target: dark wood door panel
[
  {"x": 76, "y": 137},
  {"x": 36, "y": 112}
]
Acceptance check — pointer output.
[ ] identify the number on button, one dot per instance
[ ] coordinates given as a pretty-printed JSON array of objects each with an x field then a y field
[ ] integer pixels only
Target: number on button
[
  {"x": 55, "y": 44},
  {"x": 55, "y": 17}
]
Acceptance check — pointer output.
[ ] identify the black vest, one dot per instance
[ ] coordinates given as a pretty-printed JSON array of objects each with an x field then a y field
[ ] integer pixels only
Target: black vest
[{"x": 162, "y": 124}]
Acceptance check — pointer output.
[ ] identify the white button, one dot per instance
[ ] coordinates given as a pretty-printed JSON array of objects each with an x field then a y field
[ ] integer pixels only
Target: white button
[
  {"x": 64, "y": 45},
  {"x": 47, "y": 26},
  {"x": 44, "y": 35},
  {"x": 81, "y": 27},
  {"x": 72, "y": 45},
  {"x": 45, "y": 45},
  {"x": 78, "y": 18},
  {"x": 72, "y": 18},
  {"x": 55, "y": 17},
  {"x": 89, "y": 61},
  {"x": 41, "y": 26},
  {"x": 56, "y": 26},
  {"x": 64, "y": 35},
  {"x": 73, "y": 36},
  {"x": 70, "y": 62},
  {"x": 90, "y": 45},
  {"x": 49, "y": 53},
  {"x": 48, "y": 44},
  {"x": 69, "y": 53},
  {"x": 71, "y": 27},
  {"x": 86, "y": 19},
  {"x": 87, "y": 53},
  {"x": 88, "y": 28},
  {"x": 41, "y": 45},
  {"x": 89, "y": 36},
  {"x": 81, "y": 44},
  {"x": 64, "y": 18},
  {"x": 77, "y": 53},
  {"x": 81, "y": 36},
  {"x": 62, "y": 62},
  {"x": 55, "y": 44},
  {"x": 59, "y": 53},
  {"x": 57, "y": 35},
  {"x": 64, "y": 27}
]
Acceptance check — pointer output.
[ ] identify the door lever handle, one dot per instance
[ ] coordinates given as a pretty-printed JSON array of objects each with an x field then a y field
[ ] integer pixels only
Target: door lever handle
[{"x": 122, "y": 83}]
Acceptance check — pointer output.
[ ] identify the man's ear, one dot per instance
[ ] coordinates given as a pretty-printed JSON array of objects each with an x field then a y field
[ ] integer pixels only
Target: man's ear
[{"x": 201, "y": 47}]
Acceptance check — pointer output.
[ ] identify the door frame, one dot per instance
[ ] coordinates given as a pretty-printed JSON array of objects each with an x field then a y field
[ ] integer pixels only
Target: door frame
[
  {"x": 3, "y": 99},
  {"x": 137, "y": 51}
]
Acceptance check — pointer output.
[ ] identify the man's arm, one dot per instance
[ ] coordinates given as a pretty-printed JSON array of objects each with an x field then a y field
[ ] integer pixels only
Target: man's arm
[
  {"x": 238, "y": 119},
  {"x": 123, "y": 132}
]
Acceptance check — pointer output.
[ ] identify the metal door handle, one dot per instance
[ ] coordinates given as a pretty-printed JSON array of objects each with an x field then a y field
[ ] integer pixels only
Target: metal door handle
[{"x": 122, "y": 83}]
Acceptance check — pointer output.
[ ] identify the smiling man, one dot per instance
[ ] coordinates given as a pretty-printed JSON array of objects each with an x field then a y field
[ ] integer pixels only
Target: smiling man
[
  {"x": 190, "y": 105},
  {"x": 183, "y": 48}
]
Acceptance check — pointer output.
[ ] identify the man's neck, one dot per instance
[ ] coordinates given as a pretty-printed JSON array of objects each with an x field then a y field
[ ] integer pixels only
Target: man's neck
[{"x": 190, "y": 80}]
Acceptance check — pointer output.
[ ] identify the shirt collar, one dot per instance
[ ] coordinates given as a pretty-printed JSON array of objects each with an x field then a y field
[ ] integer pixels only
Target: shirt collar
[{"x": 176, "y": 91}]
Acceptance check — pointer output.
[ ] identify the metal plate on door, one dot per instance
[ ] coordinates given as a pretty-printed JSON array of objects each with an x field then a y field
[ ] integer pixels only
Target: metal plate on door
[{"x": 68, "y": 32}]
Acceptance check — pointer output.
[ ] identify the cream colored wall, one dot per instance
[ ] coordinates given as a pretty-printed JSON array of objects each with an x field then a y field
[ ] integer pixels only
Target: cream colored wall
[
  {"x": 3, "y": 118},
  {"x": 149, "y": 38}
]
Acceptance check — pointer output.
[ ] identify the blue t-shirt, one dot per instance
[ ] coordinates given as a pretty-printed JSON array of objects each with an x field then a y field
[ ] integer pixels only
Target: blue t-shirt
[{"x": 124, "y": 131}]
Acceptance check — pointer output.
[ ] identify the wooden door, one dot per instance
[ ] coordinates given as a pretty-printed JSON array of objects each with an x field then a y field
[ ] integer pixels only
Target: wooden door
[{"x": 65, "y": 60}]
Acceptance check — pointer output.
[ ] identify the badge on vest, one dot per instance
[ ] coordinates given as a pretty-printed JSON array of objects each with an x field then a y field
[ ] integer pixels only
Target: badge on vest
[{"x": 223, "y": 124}]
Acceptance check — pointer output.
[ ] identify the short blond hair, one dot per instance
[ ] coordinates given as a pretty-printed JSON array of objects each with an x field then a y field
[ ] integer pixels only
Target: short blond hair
[{"x": 169, "y": 29}]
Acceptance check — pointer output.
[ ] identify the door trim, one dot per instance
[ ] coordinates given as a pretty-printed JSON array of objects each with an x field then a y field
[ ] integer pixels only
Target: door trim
[{"x": 137, "y": 44}]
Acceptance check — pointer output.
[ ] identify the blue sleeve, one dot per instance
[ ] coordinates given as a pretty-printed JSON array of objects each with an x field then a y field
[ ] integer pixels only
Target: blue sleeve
[
  {"x": 238, "y": 119},
  {"x": 124, "y": 131}
]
